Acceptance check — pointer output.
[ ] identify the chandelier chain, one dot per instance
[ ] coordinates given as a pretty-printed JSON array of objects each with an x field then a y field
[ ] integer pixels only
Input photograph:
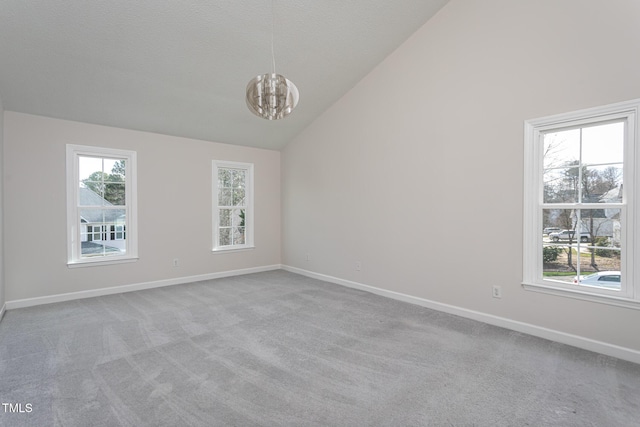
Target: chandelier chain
[{"x": 273, "y": 25}]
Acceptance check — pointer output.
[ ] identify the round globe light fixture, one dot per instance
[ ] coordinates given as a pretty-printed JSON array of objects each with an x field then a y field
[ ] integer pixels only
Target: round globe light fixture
[{"x": 271, "y": 96}]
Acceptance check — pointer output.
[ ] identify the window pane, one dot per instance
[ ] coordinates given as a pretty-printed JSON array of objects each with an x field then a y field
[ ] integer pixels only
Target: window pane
[
  {"x": 238, "y": 197},
  {"x": 114, "y": 167},
  {"x": 561, "y": 148},
  {"x": 119, "y": 168},
  {"x": 225, "y": 236},
  {"x": 101, "y": 181},
  {"x": 589, "y": 242},
  {"x": 238, "y": 217},
  {"x": 224, "y": 178},
  {"x": 602, "y": 184},
  {"x": 601, "y": 223},
  {"x": 558, "y": 220},
  {"x": 88, "y": 166},
  {"x": 114, "y": 194},
  {"x": 238, "y": 236},
  {"x": 101, "y": 237},
  {"x": 558, "y": 262},
  {"x": 561, "y": 185},
  {"x": 603, "y": 144},
  {"x": 224, "y": 216},
  {"x": 238, "y": 178},
  {"x": 595, "y": 273},
  {"x": 224, "y": 197}
]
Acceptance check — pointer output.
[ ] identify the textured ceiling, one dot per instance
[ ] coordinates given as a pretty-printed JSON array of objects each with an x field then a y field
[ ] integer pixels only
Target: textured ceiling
[{"x": 180, "y": 67}]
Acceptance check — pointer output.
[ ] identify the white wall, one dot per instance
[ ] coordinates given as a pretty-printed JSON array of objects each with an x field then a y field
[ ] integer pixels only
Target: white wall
[
  {"x": 418, "y": 171},
  {"x": 174, "y": 204}
]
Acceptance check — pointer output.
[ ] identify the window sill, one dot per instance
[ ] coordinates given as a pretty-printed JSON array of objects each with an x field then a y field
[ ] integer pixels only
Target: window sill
[
  {"x": 582, "y": 295},
  {"x": 95, "y": 263},
  {"x": 233, "y": 249}
]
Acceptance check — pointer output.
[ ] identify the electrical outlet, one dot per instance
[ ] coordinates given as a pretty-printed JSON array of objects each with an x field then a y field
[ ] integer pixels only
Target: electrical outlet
[
  {"x": 497, "y": 292},
  {"x": 175, "y": 262},
  {"x": 358, "y": 266},
  {"x": 308, "y": 256}
]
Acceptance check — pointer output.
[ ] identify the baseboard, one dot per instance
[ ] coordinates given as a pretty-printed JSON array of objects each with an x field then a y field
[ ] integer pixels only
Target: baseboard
[
  {"x": 30, "y": 302},
  {"x": 527, "y": 328},
  {"x": 2, "y": 310}
]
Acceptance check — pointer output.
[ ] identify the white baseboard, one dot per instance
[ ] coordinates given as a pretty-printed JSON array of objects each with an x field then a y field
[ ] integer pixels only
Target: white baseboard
[
  {"x": 2, "y": 310},
  {"x": 527, "y": 328},
  {"x": 29, "y": 302}
]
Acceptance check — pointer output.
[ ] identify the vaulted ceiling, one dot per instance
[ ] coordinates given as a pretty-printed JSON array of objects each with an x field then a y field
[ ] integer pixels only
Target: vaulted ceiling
[{"x": 181, "y": 67}]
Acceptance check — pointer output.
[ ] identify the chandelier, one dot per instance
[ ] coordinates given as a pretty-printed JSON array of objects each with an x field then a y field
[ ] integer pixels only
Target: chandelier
[{"x": 271, "y": 96}]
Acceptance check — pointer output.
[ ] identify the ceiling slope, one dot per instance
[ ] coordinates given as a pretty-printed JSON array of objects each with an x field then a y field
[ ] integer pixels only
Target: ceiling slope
[{"x": 181, "y": 67}]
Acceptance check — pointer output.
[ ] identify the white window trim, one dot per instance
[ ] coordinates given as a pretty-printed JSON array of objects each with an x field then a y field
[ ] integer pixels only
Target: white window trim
[
  {"x": 249, "y": 185},
  {"x": 73, "y": 230},
  {"x": 629, "y": 297}
]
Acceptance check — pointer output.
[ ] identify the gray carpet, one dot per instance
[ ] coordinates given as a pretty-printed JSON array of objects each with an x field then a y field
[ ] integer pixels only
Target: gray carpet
[{"x": 279, "y": 349}]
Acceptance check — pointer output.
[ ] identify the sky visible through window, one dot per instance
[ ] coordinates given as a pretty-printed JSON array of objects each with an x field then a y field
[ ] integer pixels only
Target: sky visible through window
[
  {"x": 602, "y": 144},
  {"x": 89, "y": 165}
]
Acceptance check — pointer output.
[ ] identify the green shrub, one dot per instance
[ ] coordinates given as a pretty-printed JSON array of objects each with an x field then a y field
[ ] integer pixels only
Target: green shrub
[
  {"x": 550, "y": 253},
  {"x": 605, "y": 253}
]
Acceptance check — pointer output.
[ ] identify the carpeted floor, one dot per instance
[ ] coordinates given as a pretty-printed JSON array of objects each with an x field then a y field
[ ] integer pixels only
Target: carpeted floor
[{"x": 279, "y": 349}]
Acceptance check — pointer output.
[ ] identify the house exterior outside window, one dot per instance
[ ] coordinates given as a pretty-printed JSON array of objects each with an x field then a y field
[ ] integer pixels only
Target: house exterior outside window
[
  {"x": 232, "y": 205},
  {"x": 581, "y": 195},
  {"x": 101, "y": 205}
]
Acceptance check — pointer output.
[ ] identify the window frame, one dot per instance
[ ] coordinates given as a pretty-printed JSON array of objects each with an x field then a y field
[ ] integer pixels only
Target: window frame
[
  {"x": 249, "y": 205},
  {"x": 74, "y": 240},
  {"x": 534, "y": 130}
]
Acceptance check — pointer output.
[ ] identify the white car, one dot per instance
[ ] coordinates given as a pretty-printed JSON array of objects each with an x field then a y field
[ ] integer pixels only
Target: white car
[
  {"x": 603, "y": 279},
  {"x": 568, "y": 235}
]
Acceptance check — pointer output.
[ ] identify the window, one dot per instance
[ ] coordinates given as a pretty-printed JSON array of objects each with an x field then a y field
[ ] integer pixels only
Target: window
[
  {"x": 232, "y": 205},
  {"x": 101, "y": 205},
  {"x": 580, "y": 204}
]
